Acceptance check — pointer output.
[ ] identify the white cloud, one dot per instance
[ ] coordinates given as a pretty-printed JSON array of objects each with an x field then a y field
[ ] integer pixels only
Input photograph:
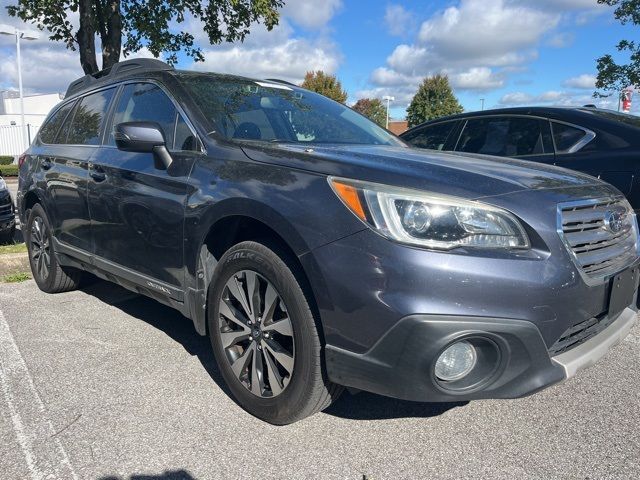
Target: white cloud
[
  {"x": 555, "y": 98},
  {"x": 399, "y": 20},
  {"x": 485, "y": 29},
  {"x": 275, "y": 54},
  {"x": 477, "y": 78},
  {"x": 311, "y": 14},
  {"x": 560, "y": 40},
  {"x": 584, "y": 81}
]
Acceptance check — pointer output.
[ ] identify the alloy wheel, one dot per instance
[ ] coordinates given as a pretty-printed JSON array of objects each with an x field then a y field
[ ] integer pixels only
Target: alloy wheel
[
  {"x": 40, "y": 247},
  {"x": 256, "y": 334}
]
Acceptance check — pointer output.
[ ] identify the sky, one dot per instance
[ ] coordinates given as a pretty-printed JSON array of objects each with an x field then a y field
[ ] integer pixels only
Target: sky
[{"x": 507, "y": 52}]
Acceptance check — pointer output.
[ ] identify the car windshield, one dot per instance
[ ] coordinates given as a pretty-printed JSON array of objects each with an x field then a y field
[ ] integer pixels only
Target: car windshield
[
  {"x": 626, "y": 118},
  {"x": 267, "y": 111}
]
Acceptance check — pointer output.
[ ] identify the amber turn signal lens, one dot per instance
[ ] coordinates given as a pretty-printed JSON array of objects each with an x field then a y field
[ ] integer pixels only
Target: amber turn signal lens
[{"x": 349, "y": 195}]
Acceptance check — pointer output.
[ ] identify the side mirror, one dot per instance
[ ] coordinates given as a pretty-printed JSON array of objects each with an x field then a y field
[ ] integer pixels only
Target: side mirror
[{"x": 142, "y": 137}]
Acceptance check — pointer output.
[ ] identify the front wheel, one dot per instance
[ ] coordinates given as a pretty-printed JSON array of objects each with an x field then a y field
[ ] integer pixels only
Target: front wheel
[
  {"x": 49, "y": 275},
  {"x": 265, "y": 338}
]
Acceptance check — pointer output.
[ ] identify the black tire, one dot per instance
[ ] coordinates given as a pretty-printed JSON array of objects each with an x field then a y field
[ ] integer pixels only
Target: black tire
[
  {"x": 308, "y": 389},
  {"x": 49, "y": 275}
]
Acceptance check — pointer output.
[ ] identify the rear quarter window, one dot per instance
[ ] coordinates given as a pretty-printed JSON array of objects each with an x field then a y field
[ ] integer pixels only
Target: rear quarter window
[
  {"x": 567, "y": 137},
  {"x": 49, "y": 131}
]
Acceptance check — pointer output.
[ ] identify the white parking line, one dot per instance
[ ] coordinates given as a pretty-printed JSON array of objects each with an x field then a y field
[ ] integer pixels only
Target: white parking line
[{"x": 43, "y": 452}]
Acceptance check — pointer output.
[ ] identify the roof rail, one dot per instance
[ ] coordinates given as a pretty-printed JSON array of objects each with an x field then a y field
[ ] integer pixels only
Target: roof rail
[
  {"x": 117, "y": 70},
  {"x": 277, "y": 80}
]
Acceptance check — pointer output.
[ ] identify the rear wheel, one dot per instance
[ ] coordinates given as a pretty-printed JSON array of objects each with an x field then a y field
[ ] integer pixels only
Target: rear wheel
[
  {"x": 50, "y": 276},
  {"x": 265, "y": 338}
]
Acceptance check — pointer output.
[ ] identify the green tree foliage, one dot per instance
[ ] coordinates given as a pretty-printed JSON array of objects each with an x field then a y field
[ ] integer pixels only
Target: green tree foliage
[
  {"x": 324, "y": 84},
  {"x": 130, "y": 25},
  {"x": 614, "y": 77},
  {"x": 434, "y": 99},
  {"x": 372, "y": 108}
]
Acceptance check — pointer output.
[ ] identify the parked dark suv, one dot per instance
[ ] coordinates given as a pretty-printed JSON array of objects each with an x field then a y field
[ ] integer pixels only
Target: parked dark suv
[
  {"x": 602, "y": 143},
  {"x": 7, "y": 215},
  {"x": 317, "y": 250}
]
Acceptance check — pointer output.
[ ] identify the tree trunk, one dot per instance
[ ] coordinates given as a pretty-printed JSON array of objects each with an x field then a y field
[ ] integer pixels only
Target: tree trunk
[
  {"x": 110, "y": 32},
  {"x": 86, "y": 38}
]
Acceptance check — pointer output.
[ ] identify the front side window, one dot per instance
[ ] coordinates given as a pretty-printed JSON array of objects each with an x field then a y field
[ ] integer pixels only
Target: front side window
[
  {"x": 244, "y": 110},
  {"x": 49, "y": 131},
  {"x": 566, "y": 137},
  {"x": 146, "y": 102},
  {"x": 88, "y": 118},
  {"x": 503, "y": 136},
  {"x": 433, "y": 137}
]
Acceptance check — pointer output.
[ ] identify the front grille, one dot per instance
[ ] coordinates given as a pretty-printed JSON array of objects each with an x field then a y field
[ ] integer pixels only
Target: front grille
[
  {"x": 580, "y": 333},
  {"x": 600, "y": 235}
]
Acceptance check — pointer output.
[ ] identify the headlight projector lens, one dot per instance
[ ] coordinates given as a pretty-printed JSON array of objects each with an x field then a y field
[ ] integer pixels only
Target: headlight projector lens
[{"x": 456, "y": 362}]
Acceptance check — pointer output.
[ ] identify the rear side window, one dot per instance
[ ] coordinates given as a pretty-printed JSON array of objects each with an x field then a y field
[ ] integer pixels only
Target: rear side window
[
  {"x": 433, "y": 137},
  {"x": 566, "y": 137},
  {"x": 50, "y": 129},
  {"x": 503, "y": 136},
  {"x": 88, "y": 118},
  {"x": 145, "y": 102}
]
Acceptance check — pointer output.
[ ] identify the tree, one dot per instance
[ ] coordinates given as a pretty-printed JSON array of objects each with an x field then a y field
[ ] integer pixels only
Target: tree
[
  {"x": 324, "y": 84},
  {"x": 434, "y": 99},
  {"x": 129, "y": 25},
  {"x": 615, "y": 77},
  {"x": 372, "y": 108}
]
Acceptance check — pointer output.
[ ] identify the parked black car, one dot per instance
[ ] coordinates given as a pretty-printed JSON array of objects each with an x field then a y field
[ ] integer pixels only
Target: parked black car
[
  {"x": 602, "y": 143},
  {"x": 319, "y": 251},
  {"x": 7, "y": 214}
]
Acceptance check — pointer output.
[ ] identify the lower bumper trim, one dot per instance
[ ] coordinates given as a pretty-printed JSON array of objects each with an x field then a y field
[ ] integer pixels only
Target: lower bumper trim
[{"x": 585, "y": 355}]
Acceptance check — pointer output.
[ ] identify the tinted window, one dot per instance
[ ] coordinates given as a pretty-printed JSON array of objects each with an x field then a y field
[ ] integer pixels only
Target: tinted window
[
  {"x": 88, "y": 118},
  {"x": 51, "y": 127},
  {"x": 145, "y": 102},
  {"x": 433, "y": 137},
  {"x": 184, "y": 140},
  {"x": 566, "y": 136},
  {"x": 625, "y": 118},
  {"x": 265, "y": 111},
  {"x": 503, "y": 136}
]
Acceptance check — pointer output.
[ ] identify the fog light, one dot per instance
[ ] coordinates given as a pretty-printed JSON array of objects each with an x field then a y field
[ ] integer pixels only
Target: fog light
[{"x": 456, "y": 361}]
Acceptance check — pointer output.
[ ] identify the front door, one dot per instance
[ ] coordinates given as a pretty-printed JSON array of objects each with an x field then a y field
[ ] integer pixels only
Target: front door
[{"x": 137, "y": 209}]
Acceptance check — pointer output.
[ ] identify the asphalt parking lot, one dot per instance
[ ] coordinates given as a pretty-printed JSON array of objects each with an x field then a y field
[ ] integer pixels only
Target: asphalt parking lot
[
  {"x": 105, "y": 384},
  {"x": 102, "y": 383}
]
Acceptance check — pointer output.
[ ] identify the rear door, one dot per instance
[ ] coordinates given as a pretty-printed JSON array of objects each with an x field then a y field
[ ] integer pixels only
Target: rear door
[
  {"x": 526, "y": 138},
  {"x": 65, "y": 164},
  {"x": 137, "y": 209}
]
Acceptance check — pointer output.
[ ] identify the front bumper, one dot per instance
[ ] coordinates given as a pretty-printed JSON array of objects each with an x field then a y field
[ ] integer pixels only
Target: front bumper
[{"x": 401, "y": 363}]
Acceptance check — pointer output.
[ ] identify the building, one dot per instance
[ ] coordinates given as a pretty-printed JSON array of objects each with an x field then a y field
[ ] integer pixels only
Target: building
[
  {"x": 36, "y": 109},
  {"x": 398, "y": 126}
]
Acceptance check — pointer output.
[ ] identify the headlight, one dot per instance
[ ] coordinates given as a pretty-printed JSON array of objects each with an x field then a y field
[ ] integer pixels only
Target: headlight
[{"x": 430, "y": 220}]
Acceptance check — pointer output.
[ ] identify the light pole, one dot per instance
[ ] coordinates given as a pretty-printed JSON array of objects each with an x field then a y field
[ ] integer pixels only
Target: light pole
[
  {"x": 388, "y": 100},
  {"x": 481, "y": 104},
  {"x": 20, "y": 36}
]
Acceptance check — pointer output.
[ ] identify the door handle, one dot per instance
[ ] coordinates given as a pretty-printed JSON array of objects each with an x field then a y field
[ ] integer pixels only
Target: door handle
[
  {"x": 97, "y": 173},
  {"x": 46, "y": 163}
]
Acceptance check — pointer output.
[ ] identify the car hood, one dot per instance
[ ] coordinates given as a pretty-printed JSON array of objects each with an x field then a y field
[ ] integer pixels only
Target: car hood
[{"x": 467, "y": 175}]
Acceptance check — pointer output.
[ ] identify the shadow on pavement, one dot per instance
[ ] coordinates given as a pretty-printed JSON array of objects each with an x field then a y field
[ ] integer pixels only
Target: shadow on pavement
[
  {"x": 170, "y": 475},
  {"x": 363, "y": 406}
]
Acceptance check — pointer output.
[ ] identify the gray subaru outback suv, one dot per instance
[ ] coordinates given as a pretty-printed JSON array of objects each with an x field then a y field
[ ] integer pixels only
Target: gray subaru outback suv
[{"x": 316, "y": 250}]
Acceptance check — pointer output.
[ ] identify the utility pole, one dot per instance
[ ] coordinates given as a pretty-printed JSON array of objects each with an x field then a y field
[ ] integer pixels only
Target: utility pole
[
  {"x": 481, "y": 104},
  {"x": 389, "y": 100}
]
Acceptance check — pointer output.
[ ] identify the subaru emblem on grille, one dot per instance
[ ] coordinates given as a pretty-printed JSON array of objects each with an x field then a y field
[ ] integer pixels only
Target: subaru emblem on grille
[{"x": 613, "y": 221}]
